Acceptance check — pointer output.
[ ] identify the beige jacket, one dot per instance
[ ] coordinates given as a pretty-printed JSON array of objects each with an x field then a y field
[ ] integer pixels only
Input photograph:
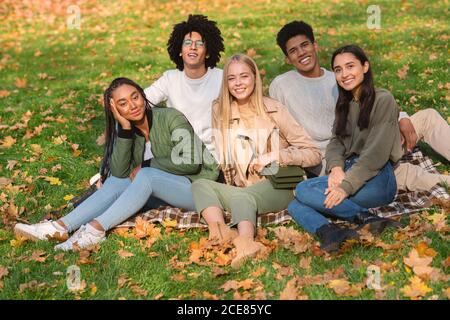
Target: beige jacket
[{"x": 280, "y": 134}]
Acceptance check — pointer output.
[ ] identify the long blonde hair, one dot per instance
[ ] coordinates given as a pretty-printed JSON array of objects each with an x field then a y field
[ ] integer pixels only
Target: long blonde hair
[{"x": 226, "y": 99}]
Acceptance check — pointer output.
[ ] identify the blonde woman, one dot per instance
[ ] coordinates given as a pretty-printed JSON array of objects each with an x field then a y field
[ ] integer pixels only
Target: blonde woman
[{"x": 249, "y": 132}]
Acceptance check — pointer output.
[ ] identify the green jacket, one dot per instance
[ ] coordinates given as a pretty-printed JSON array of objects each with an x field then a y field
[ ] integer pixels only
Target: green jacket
[{"x": 176, "y": 148}]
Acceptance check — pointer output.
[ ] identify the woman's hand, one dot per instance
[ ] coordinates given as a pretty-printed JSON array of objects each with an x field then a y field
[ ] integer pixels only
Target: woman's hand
[
  {"x": 260, "y": 162},
  {"x": 134, "y": 172},
  {"x": 125, "y": 124},
  {"x": 337, "y": 175},
  {"x": 334, "y": 197}
]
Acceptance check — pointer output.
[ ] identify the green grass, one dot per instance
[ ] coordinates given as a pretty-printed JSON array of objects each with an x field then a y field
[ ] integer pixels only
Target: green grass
[{"x": 129, "y": 40}]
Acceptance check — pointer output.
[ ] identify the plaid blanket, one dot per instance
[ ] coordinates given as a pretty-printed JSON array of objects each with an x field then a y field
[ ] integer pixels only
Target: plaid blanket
[{"x": 404, "y": 203}]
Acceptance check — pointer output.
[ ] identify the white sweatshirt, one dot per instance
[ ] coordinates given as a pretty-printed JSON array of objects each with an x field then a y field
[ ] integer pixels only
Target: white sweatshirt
[
  {"x": 192, "y": 97},
  {"x": 311, "y": 101}
]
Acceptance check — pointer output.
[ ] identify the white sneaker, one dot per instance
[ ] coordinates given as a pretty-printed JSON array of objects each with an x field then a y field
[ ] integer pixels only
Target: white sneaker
[
  {"x": 39, "y": 231},
  {"x": 86, "y": 236}
]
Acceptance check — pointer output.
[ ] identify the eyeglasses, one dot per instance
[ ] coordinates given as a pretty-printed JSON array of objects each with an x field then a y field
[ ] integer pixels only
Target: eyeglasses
[{"x": 189, "y": 42}]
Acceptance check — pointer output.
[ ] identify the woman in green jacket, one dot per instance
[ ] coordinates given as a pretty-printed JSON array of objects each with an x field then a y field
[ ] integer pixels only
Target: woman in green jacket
[
  {"x": 149, "y": 152},
  {"x": 359, "y": 157}
]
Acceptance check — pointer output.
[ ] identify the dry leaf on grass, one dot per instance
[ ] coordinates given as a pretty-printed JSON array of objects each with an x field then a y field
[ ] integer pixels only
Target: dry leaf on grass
[
  {"x": 209, "y": 296},
  {"x": 222, "y": 259},
  {"x": 3, "y": 272},
  {"x": 292, "y": 291},
  {"x": 4, "y": 93},
  {"x": 4, "y": 181},
  {"x": 11, "y": 164},
  {"x": 447, "y": 293},
  {"x": 125, "y": 254},
  {"x": 416, "y": 289},
  {"x": 7, "y": 142},
  {"x": 343, "y": 288},
  {"x": 38, "y": 256},
  {"x": 217, "y": 272},
  {"x": 179, "y": 277},
  {"x": 401, "y": 73},
  {"x": 421, "y": 264},
  {"x": 235, "y": 285},
  {"x": 195, "y": 256},
  {"x": 292, "y": 239},
  {"x": 258, "y": 272},
  {"x": 305, "y": 263}
]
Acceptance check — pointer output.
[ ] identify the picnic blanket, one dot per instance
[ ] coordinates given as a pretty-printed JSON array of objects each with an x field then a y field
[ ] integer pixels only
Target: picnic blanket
[{"x": 404, "y": 203}]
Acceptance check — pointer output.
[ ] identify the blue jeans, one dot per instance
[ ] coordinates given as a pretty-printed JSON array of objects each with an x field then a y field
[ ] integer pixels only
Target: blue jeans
[
  {"x": 118, "y": 199},
  {"x": 308, "y": 209}
]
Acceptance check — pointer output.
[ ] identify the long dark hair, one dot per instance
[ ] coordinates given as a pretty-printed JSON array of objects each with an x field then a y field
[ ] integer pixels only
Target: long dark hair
[
  {"x": 110, "y": 130},
  {"x": 367, "y": 96}
]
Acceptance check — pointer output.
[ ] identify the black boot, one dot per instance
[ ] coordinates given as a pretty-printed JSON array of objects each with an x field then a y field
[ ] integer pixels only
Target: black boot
[
  {"x": 376, "y": 223},
  {"x": 331, "y": 236}
]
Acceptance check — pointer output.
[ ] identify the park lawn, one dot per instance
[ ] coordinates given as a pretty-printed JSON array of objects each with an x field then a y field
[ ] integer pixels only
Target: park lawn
[{"x": 51, "y": 83}]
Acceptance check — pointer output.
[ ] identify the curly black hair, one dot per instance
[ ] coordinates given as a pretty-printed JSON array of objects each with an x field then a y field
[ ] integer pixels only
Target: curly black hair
[
  {"x": 291, "y": 30},
  {"x": 210, "y": 34}
]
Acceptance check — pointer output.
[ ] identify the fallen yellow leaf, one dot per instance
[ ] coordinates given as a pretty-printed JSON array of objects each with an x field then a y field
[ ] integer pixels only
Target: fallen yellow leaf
[
  {"x": 447, "y": 292},
  {"x": 424, "y": 250},
  {"x": 93, "y": 289},
  {"x": 17, "y": 242},
  {"x": 169, "y": 223},
  {"x": 196, "y": 255},
  {"x": 416, "y": 288},
  {"x": 53, "y": 181},
  {"x": 59, "y": 140},
  {"x": 7, "y": 142},
  {"x": 291, "y": 291},
  {"x": 414, "y": 259},
  {"x": 222, "y": 259},
  {"x": 76, "y": 153},
  {"x": 68, "y": 197},
  {"x": 36, "y": 148}
]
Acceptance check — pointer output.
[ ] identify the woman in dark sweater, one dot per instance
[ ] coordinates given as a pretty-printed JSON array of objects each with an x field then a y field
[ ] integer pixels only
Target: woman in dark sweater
[{"x": 365, "y": 144}]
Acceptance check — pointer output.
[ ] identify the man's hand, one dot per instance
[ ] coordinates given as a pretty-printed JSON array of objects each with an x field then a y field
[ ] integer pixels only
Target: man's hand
[
  {"x": 408, "y": 134},
  {"x": 335, "y": 178},
  {"x": 134, "y": 172},
  {"x": 334, "y": 197}
]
